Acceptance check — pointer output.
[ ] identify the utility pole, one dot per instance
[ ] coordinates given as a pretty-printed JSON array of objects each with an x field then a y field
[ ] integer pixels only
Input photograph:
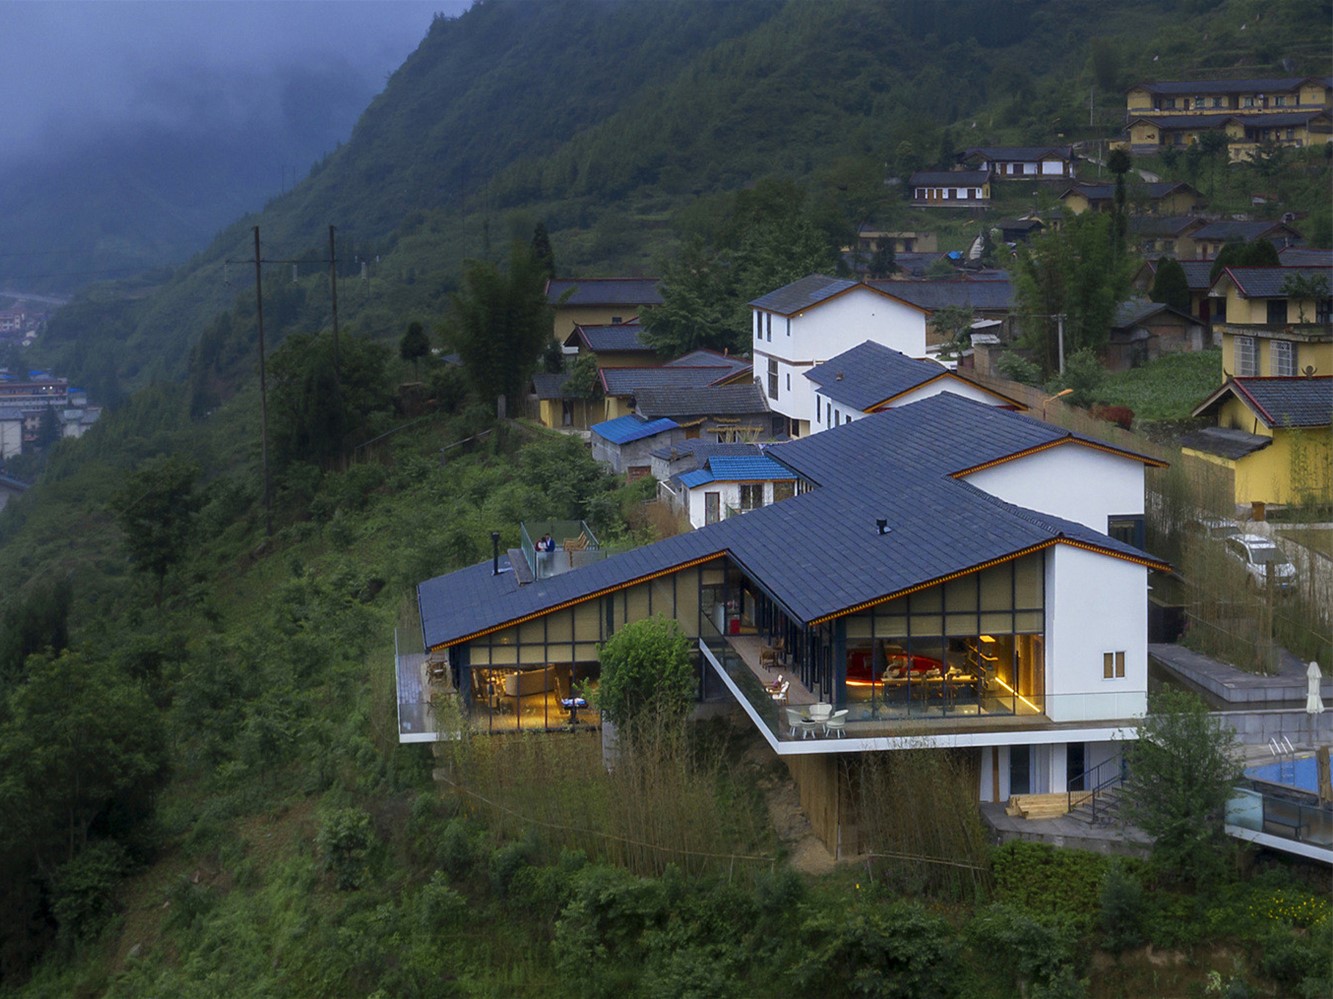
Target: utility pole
[
  {"x": 263, "y": 391},
  {"x": 333, "y": 289},
  {"x": 1060, "y": 336}
]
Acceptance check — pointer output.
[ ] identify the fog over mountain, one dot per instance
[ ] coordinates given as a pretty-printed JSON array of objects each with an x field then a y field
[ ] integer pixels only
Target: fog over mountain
[{"x": 133, "y": 131}]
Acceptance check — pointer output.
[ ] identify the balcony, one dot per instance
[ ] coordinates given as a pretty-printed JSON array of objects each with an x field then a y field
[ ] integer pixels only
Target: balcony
[
  {"x": 574, "y": 545},
  {"x": 1303, "y": 332},
  {"x": 893, "y": 714}
]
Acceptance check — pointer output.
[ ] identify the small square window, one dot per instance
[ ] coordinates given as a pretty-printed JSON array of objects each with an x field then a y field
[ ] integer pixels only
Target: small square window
[{"x": 1113, "y": 665}]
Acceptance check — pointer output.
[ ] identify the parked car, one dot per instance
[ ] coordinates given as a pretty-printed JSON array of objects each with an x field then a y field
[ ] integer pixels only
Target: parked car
[{"x": 1255, "y": 553}]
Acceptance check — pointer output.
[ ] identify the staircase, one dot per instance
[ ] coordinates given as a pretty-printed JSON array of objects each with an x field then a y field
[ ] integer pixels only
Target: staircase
[{"x": 1103, "y": 809}]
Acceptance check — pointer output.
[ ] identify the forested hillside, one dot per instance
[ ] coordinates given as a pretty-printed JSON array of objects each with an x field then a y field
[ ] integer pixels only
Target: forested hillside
[
  {"x": 199, "y": 768},
  {"x": 624, "y": 126}
]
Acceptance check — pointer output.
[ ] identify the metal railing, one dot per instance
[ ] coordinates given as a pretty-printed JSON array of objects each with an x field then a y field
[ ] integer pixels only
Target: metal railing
[{"x": 1100, "y": 783}]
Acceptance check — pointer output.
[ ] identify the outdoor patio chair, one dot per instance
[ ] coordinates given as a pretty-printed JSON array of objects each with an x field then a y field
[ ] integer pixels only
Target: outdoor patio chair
[
  {"x": 795, "y": 721},
  {"x": 780, "y": 695},
  {"x": 820, "y": 712},
  {"x": 836, "y": 722}
]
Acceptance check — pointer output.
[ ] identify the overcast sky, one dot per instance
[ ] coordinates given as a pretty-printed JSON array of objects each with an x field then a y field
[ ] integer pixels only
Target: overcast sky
[{"x": 74, "y": 70}]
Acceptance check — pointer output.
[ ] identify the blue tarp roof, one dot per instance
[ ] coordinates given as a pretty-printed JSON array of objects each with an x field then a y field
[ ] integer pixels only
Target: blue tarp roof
[
  {"x": 739, "y": 468},
  {"x": 624, "y": 429}
]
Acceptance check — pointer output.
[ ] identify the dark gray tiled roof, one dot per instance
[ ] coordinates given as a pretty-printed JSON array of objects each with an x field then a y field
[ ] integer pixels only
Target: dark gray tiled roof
[
  {"x": 820, "y": 553},
  {"x": 1268, "y": 282},
  {"x": 630, "y": 381},
  {"x": 703, "y": 358},
  {"x": 1171, "y": 122},
  {"x": 992, "y": 293},
  {"x": 1289, "y": 402},
  {"x": 1305, "y": 256},
  {"x": 1105, "y": 192},
  {"x": 1224, "y": 442},
  {"x": 702, "y": 449},
  {"x": 1264, "y": 84},
  {"x": 603, "y": 291},
  {"x": 1138, "y": 310},
  {"x": 949, "y": 178},
  {"x": 713, "y": 400},
  {"x": 619, "y": 337},
  {"x": 802, "y": 294},
  {"x": 1228, "y": 229},
  {"x": 1198, "y": 274},
  {"x": 869, "y": 373},
  {"x": 551, "y": 386},
  {"x": 1163, "y": 225},
  {"x": 1020, "y": 152}
]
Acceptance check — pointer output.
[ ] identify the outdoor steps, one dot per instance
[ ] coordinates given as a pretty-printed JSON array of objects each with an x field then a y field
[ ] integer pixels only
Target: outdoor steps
[
  {"x": 1038, "y": 806},
  {"x": 1108, "y": 808}
]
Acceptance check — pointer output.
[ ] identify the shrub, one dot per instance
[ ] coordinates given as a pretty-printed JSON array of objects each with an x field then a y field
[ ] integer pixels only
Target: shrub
[
  {"x": 345, "y": 839},
  {"x": 83, "y": 895},
  {"x": 1034, "y": 951},
  {"x": 895, "y": 950},
  {"x": 1121, "y": 914},
  {"x": 1045, "y": 880},
  {"x": 1018, "y": 368}
]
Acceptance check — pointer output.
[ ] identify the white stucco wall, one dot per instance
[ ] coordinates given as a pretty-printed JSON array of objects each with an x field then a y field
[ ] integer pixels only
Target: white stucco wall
[
  {"x": 799, "y": 342},
  {"x": 1071, "y": 481},
  {"x": 11, "y": 438},
  {"x": 953, "y": 385},
  {"x": 1094, "y": 604},
  {"x": 729, "y": 494}
]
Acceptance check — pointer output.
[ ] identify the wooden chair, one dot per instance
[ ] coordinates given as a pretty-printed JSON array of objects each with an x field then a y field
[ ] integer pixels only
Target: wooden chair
[{"x": 577, "y": 544}]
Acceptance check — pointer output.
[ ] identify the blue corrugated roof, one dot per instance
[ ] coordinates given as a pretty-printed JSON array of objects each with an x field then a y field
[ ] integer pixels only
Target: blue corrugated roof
[
  {"x": 820, "y": 553},
  {"x": 698, "y": 477},
  {"x": 737, "y": 468},
  {"x": 624, "y": 429}
]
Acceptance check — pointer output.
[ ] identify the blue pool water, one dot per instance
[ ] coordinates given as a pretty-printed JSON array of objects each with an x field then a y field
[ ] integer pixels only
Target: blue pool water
[{"x": 1299, "y": 773}]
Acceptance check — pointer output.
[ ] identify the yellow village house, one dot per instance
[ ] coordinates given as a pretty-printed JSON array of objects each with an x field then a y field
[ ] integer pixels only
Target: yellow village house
[
  {"x": 1273, "y": 111},
  {"x": 1274, "y": 321},
  {"x": 598, "y": 301},
  {"x": 1272, "y": 439}
]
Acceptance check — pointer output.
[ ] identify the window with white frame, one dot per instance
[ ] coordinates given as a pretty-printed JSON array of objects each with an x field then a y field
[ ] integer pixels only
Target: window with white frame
[
  {"x": 1113, "y": 665},
  {"x": 1247, "y": 362},
  {"x": 1283, "y": 359}
]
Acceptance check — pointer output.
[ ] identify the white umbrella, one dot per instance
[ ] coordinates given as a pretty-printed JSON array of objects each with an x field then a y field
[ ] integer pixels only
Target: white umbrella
[{"x": 1314, "y": 704}]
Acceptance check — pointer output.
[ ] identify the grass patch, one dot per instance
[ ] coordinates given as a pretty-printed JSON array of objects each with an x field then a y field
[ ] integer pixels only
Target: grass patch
[{"x": 1168, "y": 388}]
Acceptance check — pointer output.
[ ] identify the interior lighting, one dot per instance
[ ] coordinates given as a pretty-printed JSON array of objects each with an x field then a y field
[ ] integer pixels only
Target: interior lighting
[{"x": 1018, "y": 695}]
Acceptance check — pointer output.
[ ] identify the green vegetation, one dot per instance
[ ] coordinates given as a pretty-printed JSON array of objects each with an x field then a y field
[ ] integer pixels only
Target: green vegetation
[
  {"x": 648, "y": 675},
  {"x": 206, "y": 791},
  {"x": 1167, "y": 388}
]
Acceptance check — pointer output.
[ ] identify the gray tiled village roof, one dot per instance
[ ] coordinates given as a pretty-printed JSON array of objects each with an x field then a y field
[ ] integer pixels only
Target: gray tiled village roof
[
  {"x": 711, "y": 400},
  {"x": 551, "y": 385},
  {"x": 1268, "y": 282},
  {"x": 992, "y": 293},
  {"x": 603, "y": 291},
  {"x": 1105, "y": 192},
  {"x": 1020, "y": 152},
  {"x": 949, "y": 178},
  {"x": 701, "y": 448},
  {"x": 1228, "y": 86},
  {"x": 1225, "y": 442},
  {"x": 802, "y": 294},
  {"x": 630, "y": 381},
  {"x": 819, "y": 553},
  {"x": 1229, "y": 229},
  {"x": 1290, "y": 402},
  {"x": 703, "y": 358},
  {"x": 617, "y": 337},
  {"x": 1305, "y": 256},
  {"x": 1162, "y": 225},
  {"x": 869, "y": 373}
]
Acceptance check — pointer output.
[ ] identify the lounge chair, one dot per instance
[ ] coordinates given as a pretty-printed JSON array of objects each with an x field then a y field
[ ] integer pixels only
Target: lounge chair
[
  {"x": 836, "y": 722},
  {"x": 797, "y": 721}
]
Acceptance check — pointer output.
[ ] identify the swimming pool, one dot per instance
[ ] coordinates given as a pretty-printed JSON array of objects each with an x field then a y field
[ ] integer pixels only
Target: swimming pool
[{"x": 1300, "y": 772}]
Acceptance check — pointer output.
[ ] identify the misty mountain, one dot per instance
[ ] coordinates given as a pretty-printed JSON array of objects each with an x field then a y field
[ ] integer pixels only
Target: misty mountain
[
  {"x": 105, "y": 202},
  {"x": 625, "y": 126}
]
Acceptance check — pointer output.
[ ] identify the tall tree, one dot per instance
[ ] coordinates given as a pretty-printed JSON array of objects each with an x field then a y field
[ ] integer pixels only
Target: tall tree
[
  {"x": 414, "y": 345},
  {"x": 1182, "y": 772},
  {"x": 314, "y": 415},
  {"x": 1119, "y": 163},
  {"x": 1075, "y": 272},
  {"x": 499, "y": 322},
  {"x": 1170, "y": 286},
  {"x": 647, "y": 676},
  {"x": 156, "y": 511},
  {"x": 542, "y": 250}
]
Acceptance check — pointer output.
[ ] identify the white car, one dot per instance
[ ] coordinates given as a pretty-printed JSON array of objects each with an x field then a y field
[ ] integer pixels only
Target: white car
[{"x": 1255, "y": 553}]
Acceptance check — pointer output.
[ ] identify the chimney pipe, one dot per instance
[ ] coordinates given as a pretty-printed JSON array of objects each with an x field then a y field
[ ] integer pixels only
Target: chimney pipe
[
  {"x": 882, "y": 524},
  {"x": 495, "y": 549}
]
